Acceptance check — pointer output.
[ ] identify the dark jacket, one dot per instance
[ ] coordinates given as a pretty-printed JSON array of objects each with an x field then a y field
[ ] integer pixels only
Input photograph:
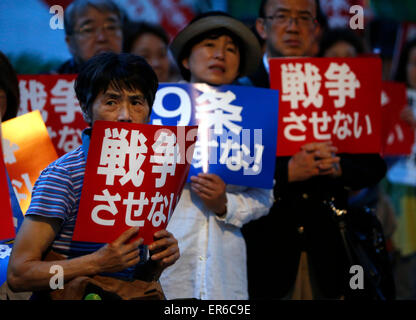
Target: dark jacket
[
  {"x": 258, "y": 79},
  {"x": 299, "y": 221},
  {"x": 69, "y": 67}
]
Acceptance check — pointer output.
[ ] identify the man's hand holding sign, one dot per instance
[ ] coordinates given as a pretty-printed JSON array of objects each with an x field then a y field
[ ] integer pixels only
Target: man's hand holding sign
[
  {"x": 120, "y": 90},
  {"x": 314, "y": 158},
  {"x": 121, "y": 253}
]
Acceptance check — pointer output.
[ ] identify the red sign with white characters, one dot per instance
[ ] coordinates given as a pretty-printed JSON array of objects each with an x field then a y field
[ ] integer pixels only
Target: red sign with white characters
[
  {"x": 398, "y": 136},
  {"x": 328, "y": 99},
  {"x": 338, "y": 11},
  {"x": 134, "y": 177},
  {"x": 63, "y": 3},
  {"x": 6, "y": 214},
  {"x": 54, "y": 97}
]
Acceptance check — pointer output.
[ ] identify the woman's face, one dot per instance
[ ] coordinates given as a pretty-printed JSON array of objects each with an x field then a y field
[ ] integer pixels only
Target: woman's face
[
  {"x": 341, "y": 49},
  {"x": 411, "y": 68},
  {"x": 214, "y": 61},
  {"x": 155, "y": 51}
]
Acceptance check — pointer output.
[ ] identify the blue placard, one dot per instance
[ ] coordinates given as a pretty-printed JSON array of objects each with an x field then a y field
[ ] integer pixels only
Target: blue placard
[
  {"x": 5, "y": 251},
  {"x": 237, "y": 128},
  {"x": 17, "y": 211}
]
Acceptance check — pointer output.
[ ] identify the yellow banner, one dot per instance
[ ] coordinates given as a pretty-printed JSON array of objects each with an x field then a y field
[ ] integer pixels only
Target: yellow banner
[{"x": 27, "y": 150}]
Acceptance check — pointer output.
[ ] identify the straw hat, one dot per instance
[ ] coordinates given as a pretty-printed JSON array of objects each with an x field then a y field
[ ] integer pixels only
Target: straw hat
[{"x": 220, "y": 20}]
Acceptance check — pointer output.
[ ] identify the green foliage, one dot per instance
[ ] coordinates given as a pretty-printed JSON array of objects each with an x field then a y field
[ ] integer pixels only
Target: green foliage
[{"x": 27, "y": 63}]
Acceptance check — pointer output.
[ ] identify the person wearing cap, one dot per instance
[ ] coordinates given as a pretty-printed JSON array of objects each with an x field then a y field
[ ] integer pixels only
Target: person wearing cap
[
  {"x": 110, "y": 87},
  {"x": 214, "y": 49}
]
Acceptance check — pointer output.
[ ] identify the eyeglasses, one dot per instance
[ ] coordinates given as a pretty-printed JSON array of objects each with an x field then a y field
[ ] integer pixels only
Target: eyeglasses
[
  {"x": 91, "y": 31},
  {"x": 304, "y": 20}
]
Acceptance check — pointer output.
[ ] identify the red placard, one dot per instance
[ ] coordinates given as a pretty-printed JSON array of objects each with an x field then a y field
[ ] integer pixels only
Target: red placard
[
  {"x": 6, "y": 214},
  {"x": 54, "y": 97},
  {"x": 398, "y": 136},
  {"x": 132, "y": 178},
  {"x": 328, "y": 99},
  {"x": 339, "y": 15}
]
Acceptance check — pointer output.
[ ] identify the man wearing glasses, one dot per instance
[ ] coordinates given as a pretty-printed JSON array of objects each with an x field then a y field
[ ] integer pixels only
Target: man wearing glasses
[
  {"x": 312, "y": 261},
  {"x": 91, "y": 27},
  {"x": 290, "y": 28}
]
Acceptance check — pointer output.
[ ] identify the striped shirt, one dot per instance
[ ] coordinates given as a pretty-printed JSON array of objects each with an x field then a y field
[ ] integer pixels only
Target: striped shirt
[{"x": 57, "y": 193}]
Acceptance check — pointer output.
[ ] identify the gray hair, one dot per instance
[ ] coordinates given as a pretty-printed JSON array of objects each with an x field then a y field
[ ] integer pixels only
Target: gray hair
[{"x": 77, "y": 7}]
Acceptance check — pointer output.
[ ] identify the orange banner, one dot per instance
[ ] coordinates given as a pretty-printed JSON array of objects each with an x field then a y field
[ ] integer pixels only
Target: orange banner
[{"x": 27, "y": 150}]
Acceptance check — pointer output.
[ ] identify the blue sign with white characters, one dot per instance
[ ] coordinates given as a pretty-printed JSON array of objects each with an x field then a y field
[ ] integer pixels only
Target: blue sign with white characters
[
  {"x": 237, "y": 128},
  {"x": 5, "y": 251}
]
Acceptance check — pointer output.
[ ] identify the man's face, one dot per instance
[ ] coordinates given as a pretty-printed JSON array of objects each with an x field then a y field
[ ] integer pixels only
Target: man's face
[
  {"x": 121, "y": 105},
  {"x": 289, "y": 27},
  {"x": 95, "y": 32}
]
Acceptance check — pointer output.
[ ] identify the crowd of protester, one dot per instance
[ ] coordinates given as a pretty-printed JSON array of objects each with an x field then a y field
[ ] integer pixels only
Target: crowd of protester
[{"x": 257, "y": 243}]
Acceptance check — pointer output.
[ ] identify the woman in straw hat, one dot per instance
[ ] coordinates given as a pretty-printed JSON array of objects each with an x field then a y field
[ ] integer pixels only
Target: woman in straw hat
[{"x": 214, "y": 49}]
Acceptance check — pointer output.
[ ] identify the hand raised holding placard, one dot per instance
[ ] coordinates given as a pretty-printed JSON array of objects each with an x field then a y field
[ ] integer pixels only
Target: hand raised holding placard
[
  {"x": 316, "y": 158},
  {"x": 119, "y": 254}
]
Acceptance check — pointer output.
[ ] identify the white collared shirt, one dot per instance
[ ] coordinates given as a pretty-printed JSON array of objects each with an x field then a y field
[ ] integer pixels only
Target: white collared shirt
[{"x": 213, "y": 264}]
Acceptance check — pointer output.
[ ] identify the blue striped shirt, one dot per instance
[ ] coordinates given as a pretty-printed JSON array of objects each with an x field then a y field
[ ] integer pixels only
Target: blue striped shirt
[{"x": 56, "y": 194}]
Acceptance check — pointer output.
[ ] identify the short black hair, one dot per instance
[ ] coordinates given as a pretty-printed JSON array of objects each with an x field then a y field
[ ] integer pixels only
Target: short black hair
[
  {"x": 121, "y": 71},
  {"x": 10, "y": 85},
  {"x": 134, "y": 30},
  {"x": 210, "y": 34},
  {"x": 332, "y": 36}
]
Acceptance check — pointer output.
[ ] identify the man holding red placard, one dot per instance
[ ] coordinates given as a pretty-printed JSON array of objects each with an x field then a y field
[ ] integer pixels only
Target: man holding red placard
[
  {"x": 312, "y": 262},
  {"x": 111, "y": 87}
]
